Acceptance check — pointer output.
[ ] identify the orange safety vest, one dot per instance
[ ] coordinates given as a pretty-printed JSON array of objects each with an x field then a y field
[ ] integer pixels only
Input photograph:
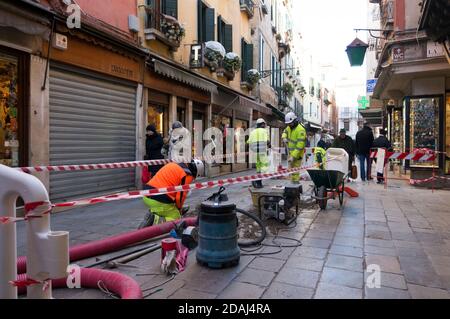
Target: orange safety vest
[{"x": 172, "y": 174}]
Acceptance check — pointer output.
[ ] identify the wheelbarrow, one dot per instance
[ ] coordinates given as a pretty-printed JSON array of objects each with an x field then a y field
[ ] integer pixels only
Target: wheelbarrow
[{"x": 327, "y": 185}]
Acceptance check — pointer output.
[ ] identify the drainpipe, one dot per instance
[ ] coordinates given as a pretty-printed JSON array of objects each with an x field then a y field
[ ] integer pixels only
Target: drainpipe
[{"x": 47, "y": 251}]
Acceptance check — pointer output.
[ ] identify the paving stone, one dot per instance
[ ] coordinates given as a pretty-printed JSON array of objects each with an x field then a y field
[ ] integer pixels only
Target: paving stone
[
  {"x": 269, "y": 264},
  {"x": 305, "y": 263},
  {"x": 386, "y": 293},
  {"x": 429, "y": 238},
  {"x": 420, "y": 271},
  {"x": 411, "y": 252},
  {"x": 378, "y": 234},
  {"x": 278, "y": 290},
  {"x": 379, "y": 242},
  {"x": 406, "y": 244},
  {"x": 373, "y": 250},
  {"x": 342, "y": 277},
  {"x": 348, "y": 241},
  {"x": 311, "y": 252},
  {"x": 420, "y": 292},
  {"x": 387, "y": 263},
  {"x": 346, "y": 251},
  {"x": 298, "y": 277},
  {"x": 405, "y": 236},
  {"x": 240, "y": 290},
  {"x": 330, "y": 291},
  {"x": 167, "y": 290},
  {"x": 185, "y": 293},
  {"x": 345, "y": 262},
  {"x": 256, "y": 277},
  {"x": 319, "y": 234},
  {"x": 283, "y": 255},
  {"x": 315, "y": 242},
  {"x": 390, "y": 280}
]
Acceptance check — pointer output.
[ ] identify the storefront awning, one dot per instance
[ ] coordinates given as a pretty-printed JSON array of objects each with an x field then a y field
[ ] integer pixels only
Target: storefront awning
[
  {"x": 277, "y": 112},
  {"x": 31, "y": 25},
  {"x": 250, "y": 104},
  {"x": 183, "y": 76},
  {"x": 373, "y": 116}
]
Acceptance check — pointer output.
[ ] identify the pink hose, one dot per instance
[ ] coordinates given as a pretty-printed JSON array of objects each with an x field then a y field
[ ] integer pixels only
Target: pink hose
[
  {"x": 120, "y": 284},
  {"x": 114, "y": 243}
]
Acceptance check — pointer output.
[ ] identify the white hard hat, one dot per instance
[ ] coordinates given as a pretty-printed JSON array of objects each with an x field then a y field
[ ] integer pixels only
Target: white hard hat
[
  {"x": 200, "y": 167},
  {"x": 261, "y": 121},
  {"x": 290, "y": 117}
]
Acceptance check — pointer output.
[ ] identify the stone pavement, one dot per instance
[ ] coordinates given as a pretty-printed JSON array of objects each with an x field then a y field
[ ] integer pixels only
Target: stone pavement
[{"x": 403, "y": 230}]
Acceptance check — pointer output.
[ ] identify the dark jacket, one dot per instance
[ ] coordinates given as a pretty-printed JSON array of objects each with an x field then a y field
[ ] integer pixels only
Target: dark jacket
[
  {"x": 364, "y": 141},
  {"x": 347, "y": 144},
  {"x": 382, "y": 142},
  {"x": 153, "y": 145}
]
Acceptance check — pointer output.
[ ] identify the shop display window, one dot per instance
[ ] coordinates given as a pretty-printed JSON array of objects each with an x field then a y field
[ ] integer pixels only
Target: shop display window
[
  {"x": 424, "y": 127},
  {"x": 240, "y": 127},
  {"x": 397, "y": 130},
  {"x": 157, "y": 116},
  {"x": 223, "y": 123},
  {"x": 9, "y": 140}
]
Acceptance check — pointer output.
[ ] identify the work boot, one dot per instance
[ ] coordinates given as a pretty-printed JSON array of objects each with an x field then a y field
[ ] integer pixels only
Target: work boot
[{"x": 148, "y": 221}]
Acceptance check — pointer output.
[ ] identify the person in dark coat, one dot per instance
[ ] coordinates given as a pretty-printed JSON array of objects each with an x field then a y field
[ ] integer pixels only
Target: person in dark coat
[
  {"x": 346, "y": 143},
  {"x": 364, "y": 142},
  {"x": 382, "y": 142},
  {"x": 153, "y": 146}
]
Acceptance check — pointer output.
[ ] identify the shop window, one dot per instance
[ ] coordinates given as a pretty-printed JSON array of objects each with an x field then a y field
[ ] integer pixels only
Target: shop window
[
  {"x": 157, "y": 115},
  {"x": 9, "y": 104},
  {"x": 424, "y": 126}
]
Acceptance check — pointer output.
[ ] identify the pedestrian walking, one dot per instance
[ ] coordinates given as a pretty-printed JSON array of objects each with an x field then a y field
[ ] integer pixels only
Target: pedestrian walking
[
  {"x": 364, "y": 142},
  {"x": 294, "y": 136},
  {"x": 179, "y": 142},
  {"x": 382, "y": 142},
  {"x": 153, "y": 146},
  {"x": 346, "y": 143},
  {"x": 259, "y": 144}
]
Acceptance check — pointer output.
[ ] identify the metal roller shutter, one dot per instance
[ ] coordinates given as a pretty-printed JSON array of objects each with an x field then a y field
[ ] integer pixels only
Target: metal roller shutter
[{"x": 91, "y": 121}]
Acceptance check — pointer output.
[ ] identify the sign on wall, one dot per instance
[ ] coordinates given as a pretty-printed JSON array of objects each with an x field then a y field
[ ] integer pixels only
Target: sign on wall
[
  {"x": 371, "y": 85},
  {"x": 196, "y": 60}
]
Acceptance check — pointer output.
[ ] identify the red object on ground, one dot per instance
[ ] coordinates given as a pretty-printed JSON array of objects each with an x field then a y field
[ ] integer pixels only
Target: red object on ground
[
  {"x": 120, "y": 284},
  {"x": 114, "y": 243},
  {"x": 351, "y": 192},
  {"x": 167, "y": 245}
]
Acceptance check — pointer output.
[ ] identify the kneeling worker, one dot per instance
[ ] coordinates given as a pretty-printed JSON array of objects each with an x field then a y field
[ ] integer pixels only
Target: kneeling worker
[
  {"x": 168, "y": 207},
  {"x": 259, "y": 144}
]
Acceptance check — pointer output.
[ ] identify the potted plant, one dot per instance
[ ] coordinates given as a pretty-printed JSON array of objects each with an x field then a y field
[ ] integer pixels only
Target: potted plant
[
  {"x": 172, "y": 29},
  {"x": 214, "y": 54},
  {"x": 288, "y": 89},
  {"x": 253, "y": 77},
  {"x": 232, "y": 64}
]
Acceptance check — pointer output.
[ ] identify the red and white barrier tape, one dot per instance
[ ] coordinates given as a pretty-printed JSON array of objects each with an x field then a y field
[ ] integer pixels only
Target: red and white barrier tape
[
  {"x": 423, "y": 181},
  {"x": 32, "y": 210},
  {"x": 419, "y": 155},
  {"x": 30, "y": 282},
  {"x": 39, "y": 209},
  {"x": 89, "y": 167}
]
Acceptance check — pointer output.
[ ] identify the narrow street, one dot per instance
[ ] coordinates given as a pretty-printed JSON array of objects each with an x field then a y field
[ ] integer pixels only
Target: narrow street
[{"x": 403, "y": 230}]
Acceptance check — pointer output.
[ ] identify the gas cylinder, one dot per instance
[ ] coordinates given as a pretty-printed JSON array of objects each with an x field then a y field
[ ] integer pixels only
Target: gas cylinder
[{"x": 217, "y": 233}]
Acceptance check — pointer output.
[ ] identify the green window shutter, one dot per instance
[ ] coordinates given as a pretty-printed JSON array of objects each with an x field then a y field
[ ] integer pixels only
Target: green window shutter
[
  {"x": 219, "y": 29},
  {"x": 200, "y": 21},
  {"x": 228, "y": 38},
  {"x": 249, "y": 56},
  {"x": 209, "y": 24},
  {"x": 170, "y": 7},
  {"x": 244, "y": 62}
]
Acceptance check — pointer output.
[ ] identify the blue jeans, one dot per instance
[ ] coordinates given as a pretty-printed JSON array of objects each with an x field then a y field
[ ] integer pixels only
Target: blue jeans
[{"x": 363, "y": 159}]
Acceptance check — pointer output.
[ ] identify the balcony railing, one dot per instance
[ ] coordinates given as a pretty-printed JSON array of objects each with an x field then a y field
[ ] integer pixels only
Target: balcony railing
[
  {"x": 157, "y": 28},
  {"x": 248, "y": 6},
  {"x": 283, "y": 98}
]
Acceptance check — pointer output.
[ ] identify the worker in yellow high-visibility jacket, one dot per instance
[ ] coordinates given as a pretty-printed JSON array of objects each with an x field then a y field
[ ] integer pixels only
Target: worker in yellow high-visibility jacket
[
  {"x": 294, "y": 137},
  {"x": 259, "y": 143},
  {"x": 320, "y": 154}
]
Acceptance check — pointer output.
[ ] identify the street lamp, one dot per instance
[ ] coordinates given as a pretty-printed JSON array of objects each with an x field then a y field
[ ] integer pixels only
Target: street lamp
[{"x": 356, "y": 52}]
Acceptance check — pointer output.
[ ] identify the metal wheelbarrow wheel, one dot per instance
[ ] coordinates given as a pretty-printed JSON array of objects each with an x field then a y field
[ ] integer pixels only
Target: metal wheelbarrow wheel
[{"x": 323, "y": 195}]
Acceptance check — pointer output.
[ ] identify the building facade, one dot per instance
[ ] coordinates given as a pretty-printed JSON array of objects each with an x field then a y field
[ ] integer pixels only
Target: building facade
[{"x": 413, "y": 80}]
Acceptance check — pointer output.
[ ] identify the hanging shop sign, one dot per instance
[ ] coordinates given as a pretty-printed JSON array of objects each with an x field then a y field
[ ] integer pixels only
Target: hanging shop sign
[{"x": 196, "y": 60}]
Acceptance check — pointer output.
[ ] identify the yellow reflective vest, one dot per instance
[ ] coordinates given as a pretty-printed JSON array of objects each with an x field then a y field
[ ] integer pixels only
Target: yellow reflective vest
[
  {"x": 296, "y": 141},
  {"x": 320, "y": 157},
  {"x": 258, "y": 140}
]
